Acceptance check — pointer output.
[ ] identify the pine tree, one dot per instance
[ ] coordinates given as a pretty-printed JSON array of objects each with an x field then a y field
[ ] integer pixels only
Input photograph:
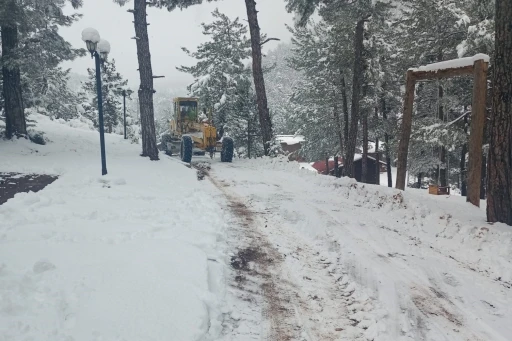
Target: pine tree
[
  {"x": 25, "y": 27},
  {"x": 256, "y": 43},
  {"x": 412, "y": 34},
  {"x": 112, "y": 83},
  {"x": 281, "y": 79},
  {"x": 146, "y": 88},
  {"x": 11, "y": 79},
  {"x": 499, "y": 202},
  {"x": 221, "y": 79},
  {"x": 58, "y": 100},
  {"x": 320, "y": 97}
]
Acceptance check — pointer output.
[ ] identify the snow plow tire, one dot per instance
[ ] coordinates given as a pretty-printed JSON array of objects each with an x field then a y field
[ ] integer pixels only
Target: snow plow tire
[
  {"x": 227, "y": 150},
  {"x": 186, "y": 149},
  {"x": 164, "y": 140}
]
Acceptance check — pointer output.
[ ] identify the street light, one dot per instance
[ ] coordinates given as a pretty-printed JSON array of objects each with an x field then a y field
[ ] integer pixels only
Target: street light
[
  {"x": 125, "y": 93},
  {"x": 95, "y": 44}
]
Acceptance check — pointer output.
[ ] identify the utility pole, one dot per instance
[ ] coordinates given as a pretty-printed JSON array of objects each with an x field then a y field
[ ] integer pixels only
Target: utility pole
[{"x": 124, "y": 112}]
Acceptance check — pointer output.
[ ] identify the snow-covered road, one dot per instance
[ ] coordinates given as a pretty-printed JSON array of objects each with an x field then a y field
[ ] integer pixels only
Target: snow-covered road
[
  {"x": 256, "y": 250},
  {"x": 326, "y": 259}
]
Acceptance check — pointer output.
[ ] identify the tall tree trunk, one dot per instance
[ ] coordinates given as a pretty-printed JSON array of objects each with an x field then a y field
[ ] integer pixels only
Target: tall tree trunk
[
  {"x": 356, "y": 96},
  {"x": 483, "y": 179},
  {"x": 15, "y": 123},
  {"x": 364, "y": 161},
  {"x": 345, "y": 118},
  {"x": 147, "y": 113},
  {"x": 339, "y": 127},
  {"x": 499, "y": 169},
  {"x": 463, "y": 176},
  {"x": 377, "y": 154},
  {"x": 387, "y": 149},
  {"x": 257, "y": 72},
  {"x": 405, "y": 133},
  {"x": 249, "y": 138},
  {"x": 442, "y": 168},
  {"x": 463, "y": 187}
]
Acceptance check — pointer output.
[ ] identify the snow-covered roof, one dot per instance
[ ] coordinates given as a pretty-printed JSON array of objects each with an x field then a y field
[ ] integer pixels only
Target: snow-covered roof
[
  {"x": 454, "y": 63},
  {"x": 290, "y": 139},
  {"x": 307, "y": 166},
  {"x": 358, "y": 157}
]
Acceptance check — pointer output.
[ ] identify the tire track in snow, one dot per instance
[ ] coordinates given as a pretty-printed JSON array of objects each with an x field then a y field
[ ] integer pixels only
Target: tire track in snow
[
  {"x": 258, "y": 262},
  {"x": 305, "y": 295},
  {"x": 435, "y": 306}
]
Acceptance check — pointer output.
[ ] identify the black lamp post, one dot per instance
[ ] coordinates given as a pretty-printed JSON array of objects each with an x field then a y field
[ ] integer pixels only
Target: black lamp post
[
  {"x": 124, "y": 93},
  {"x": 95, "y": 45},
  {"x": 124, "y": 112}
]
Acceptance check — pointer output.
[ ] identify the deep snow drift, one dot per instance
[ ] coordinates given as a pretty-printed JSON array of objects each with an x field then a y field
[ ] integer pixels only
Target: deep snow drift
[{"x": 129, "y": 256}]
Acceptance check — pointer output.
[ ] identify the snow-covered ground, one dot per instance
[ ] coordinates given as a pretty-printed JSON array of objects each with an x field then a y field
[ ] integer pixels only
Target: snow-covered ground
[
  {"x": 134, "y": 255},
  {"x": 359, "y": 262},
  {"x": 258, "y": 250}
]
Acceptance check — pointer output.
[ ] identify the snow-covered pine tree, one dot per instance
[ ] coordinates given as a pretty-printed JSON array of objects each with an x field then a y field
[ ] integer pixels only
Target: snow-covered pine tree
[
  {"x": 111, "y": 84},
  {"x": 367, "y": 19},
  {"x": 256, "y": 44},
  {"x": 220, "y": 74},
  {"x": 281, "y": 79},
  {"x": 399, "y": 35},
  {"x": 319, "y": 98},
  {"x": 26, "y": 27},
  {"x": 440, "y": 28},
  {"x": 43, "y": 50},
  {"x": 242, "y": 124},
  {"x": 58, "y": 100},
  {"x": 85, "y": 104}
]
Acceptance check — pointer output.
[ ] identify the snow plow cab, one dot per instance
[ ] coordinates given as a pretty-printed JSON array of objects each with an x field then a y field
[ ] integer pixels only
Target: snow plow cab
[{"x": 193, "y": 133}]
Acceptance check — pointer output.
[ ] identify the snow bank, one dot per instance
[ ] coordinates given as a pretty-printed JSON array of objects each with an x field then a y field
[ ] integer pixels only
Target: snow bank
[
  {"x": 134, "y": 255},
  {"x": 447, "y": 223},
  {"x": 454, "y": 63}
]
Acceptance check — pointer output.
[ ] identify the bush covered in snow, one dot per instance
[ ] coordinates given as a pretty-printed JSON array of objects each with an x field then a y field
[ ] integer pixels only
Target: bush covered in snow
[{"x": 37, "y": 137}]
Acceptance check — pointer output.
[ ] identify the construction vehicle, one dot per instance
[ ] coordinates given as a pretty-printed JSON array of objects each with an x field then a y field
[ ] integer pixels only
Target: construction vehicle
[{"x": 191, "y": 133}]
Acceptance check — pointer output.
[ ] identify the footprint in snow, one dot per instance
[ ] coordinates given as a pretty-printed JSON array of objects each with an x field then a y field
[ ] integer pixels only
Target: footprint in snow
[{"x": 43, "y": 266}]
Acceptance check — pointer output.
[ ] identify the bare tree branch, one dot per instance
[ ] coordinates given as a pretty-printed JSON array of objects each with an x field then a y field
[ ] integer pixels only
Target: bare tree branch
[{"x": 268, "y": 39}]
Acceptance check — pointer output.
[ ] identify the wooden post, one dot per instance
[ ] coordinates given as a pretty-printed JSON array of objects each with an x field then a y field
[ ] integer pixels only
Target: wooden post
[
  {"x": 336, "y": 172},
  {"x": 405, "y": 137},
  {"x": 477, "y": 131}
]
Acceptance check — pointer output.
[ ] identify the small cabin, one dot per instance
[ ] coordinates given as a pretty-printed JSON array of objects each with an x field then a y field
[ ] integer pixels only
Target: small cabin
[
  {"x": 321, "y": 167},
  {"x": 291, "y": 145}
]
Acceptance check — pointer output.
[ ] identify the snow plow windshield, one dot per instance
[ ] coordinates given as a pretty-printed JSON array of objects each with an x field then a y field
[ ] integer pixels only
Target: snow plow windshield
[{"x": 187, "y": 109}]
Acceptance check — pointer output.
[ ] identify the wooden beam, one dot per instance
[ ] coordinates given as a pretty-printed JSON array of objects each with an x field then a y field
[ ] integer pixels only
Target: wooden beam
[
  {"x": 403, "y": 147},
  {"x": 446, "y": 73},
  {"x": 478, "y": 109}
]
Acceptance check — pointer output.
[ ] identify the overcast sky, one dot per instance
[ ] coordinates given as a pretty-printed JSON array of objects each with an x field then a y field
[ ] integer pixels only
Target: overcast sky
[{"x": 168, "y": 32}]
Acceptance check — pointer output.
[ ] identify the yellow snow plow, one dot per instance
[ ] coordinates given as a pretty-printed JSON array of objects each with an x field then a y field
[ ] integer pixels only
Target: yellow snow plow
[{"x": 193, "y": 133}]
